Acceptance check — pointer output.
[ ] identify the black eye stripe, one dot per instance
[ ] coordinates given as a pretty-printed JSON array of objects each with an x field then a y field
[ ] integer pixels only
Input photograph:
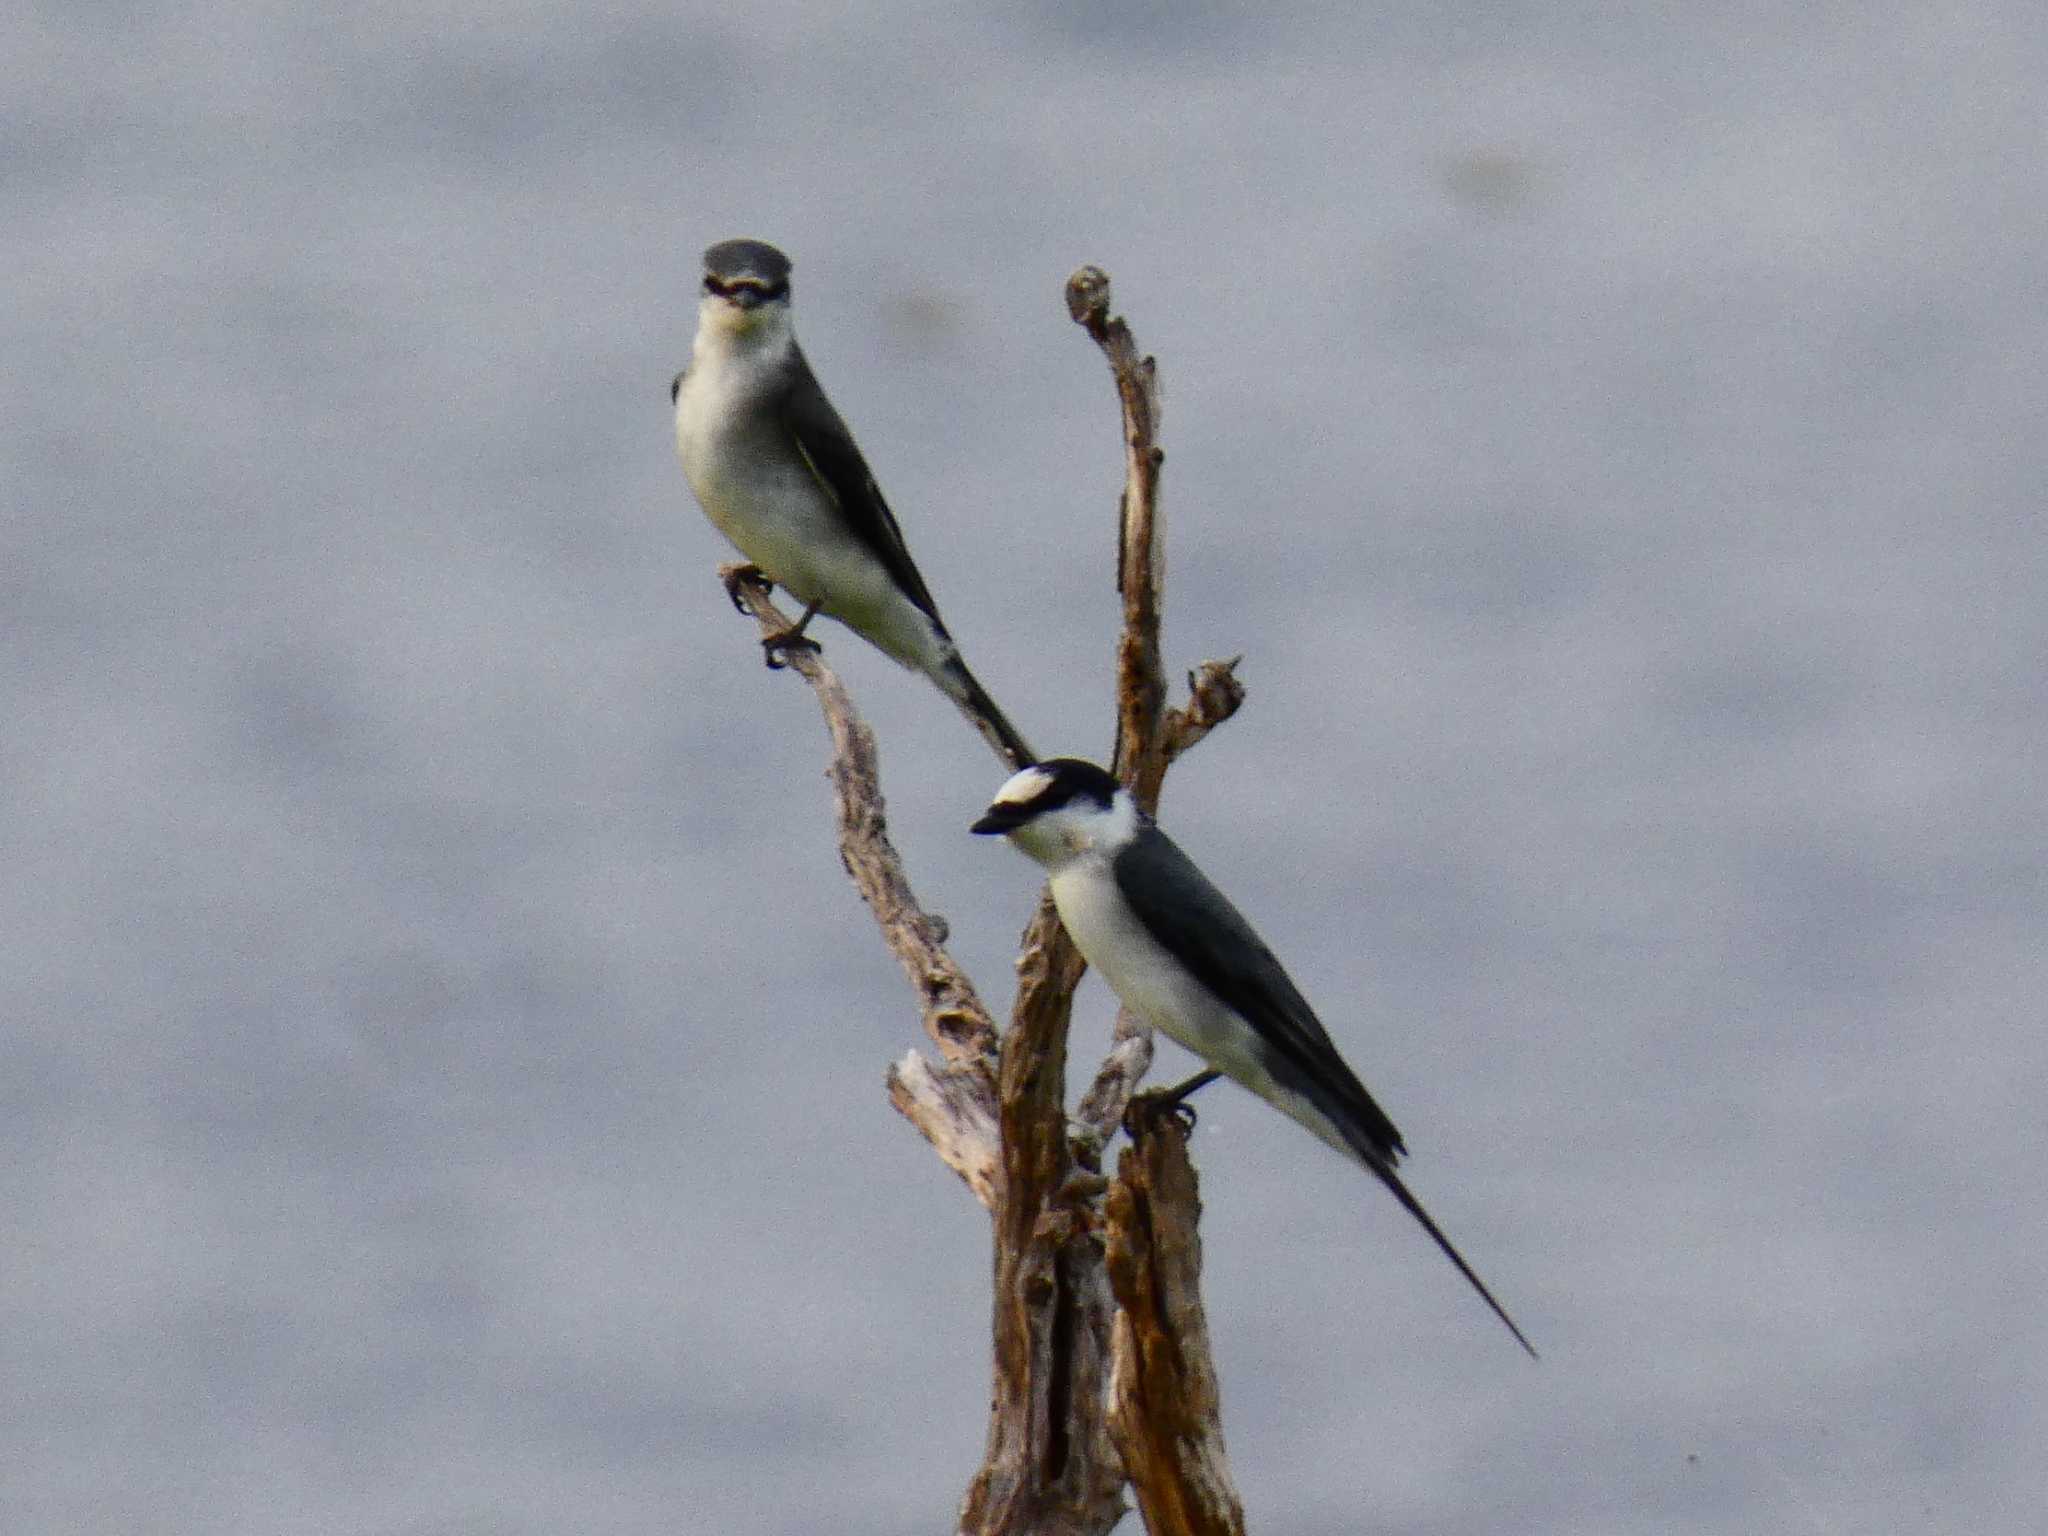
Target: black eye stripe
[{"x": 725, "y": 290}]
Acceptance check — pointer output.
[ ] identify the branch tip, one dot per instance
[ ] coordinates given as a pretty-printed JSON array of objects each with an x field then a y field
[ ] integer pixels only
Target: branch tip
[{"x": 1088, "y": 297}]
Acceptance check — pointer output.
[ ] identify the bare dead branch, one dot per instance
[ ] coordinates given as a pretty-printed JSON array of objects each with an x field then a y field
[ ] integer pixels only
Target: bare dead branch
[
  {"x": 1052, "y": 1339},
  {"x": 1214, "y": 694},
  {"x": 953, "y": 1110},
  {"x": 1101, "y": 1110},
  {"x": 1166, "y": 1414},
  {"x": 1165, "y": 1409},
  {"x": 994, "y": 1108},
  {"x": 1049, "y": 1464},
  {"x": 1141, "y": 556},
  {"x": 963, "y": 1089}
]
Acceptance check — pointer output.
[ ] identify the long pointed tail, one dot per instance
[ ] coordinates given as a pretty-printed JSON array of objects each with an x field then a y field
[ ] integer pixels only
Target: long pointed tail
[
  {"x": 960, "y": 686},
  {"x": 1413, "y": 1206}
]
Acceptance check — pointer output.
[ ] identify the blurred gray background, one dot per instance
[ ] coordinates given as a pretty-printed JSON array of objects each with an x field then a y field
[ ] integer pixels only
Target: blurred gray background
[{"x": 443, "y": 1060}]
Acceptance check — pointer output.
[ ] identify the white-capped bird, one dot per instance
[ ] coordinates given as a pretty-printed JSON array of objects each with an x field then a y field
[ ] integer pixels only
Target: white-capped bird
[
  {"x": 1185, "y": 961},
  {"x": 781, "y": 477}
]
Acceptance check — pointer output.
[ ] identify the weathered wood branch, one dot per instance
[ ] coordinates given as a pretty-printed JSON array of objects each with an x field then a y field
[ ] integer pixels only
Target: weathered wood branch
[
  {"x": 1051, "y": 1270},
  {"x": 953, "y": 1103},
  {"x": 1084, "y": 1397},
  {"x": 1101, "y": 1111},
  {"x": 1165, "y": 1410},
  {"x": 1049, "y": 1465},
  {"x": 1140, "y": 759},
  {"x": 1214, "y": 694},
  {"x": 1172, "y": 1446},
  {"x": 1053, "y": 1462}
]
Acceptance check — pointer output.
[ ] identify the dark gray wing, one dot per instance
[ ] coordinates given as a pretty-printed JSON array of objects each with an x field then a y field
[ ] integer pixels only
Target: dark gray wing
[
  {"x": 833, "y": 455},
  {"x": 1199, "y": 927}
]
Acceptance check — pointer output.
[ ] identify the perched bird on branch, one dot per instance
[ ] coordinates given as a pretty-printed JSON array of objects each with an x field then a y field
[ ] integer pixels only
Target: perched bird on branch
[
  {"x": 779, "y": 475},
  {"x": 1183, "y": 959}
]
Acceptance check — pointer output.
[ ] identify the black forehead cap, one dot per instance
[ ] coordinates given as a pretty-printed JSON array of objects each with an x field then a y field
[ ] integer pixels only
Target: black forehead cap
[
  {"x": 757, "y": 259},
  {"x": 1075, "y": 779}
]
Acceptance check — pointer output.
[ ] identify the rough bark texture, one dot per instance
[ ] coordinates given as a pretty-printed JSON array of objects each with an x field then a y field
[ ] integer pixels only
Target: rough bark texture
[
  {"x": 1084, "y": 1397},
  {"x": 1140, "y": 759},
  {"x": 1165, "y": 1410},
  {"x": 1049, "y": 1465}
]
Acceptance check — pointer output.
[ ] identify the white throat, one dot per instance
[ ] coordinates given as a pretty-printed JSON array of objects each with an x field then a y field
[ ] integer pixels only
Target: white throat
[
  {"x": 1060, "y": 838},
  {"x": 725, "y": 331},
  {"x": 739, "y": 356}
]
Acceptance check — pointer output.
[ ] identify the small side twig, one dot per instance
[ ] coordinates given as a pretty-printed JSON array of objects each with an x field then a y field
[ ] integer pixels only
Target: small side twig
[
  {"x": 1101, "y": 1110},
  {"x": 1214, "y": 694}
]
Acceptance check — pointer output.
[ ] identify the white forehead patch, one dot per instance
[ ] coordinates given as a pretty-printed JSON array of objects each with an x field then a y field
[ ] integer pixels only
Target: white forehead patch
[{"x": 1022, "y": 788}]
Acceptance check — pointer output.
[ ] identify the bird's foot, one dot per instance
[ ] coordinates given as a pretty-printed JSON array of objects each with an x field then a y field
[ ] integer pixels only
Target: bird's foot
[
  {"x": 777, "y": 648},
  {"x": 737, "y": 576},
  {"x": 1157, "y": 1102},
  {"x": 1147, "y": 1109}
]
